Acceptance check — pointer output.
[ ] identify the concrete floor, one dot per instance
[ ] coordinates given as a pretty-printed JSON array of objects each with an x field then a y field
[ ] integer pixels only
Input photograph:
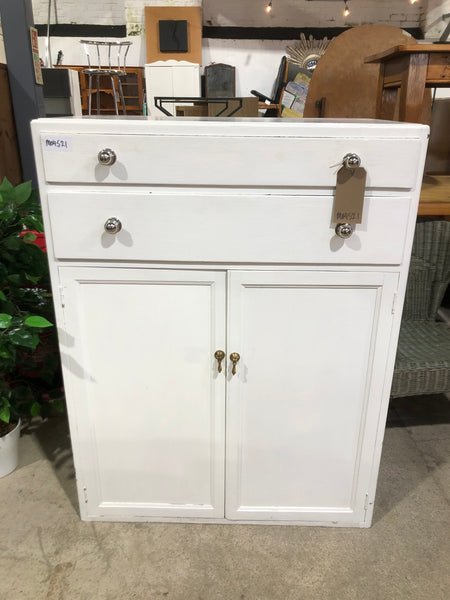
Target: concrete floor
[{"x": 47, "y": 553}]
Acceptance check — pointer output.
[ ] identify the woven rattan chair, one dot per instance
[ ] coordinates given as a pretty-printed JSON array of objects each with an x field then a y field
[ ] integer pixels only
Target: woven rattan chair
[{"x": 423, "y": 356}]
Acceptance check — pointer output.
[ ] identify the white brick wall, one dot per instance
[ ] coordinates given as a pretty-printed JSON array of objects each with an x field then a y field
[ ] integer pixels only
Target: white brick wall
[
  {"x": 300, "y": 13},
  {"x": 242, "y": 13},
  {"x": 85, "y": 12}
]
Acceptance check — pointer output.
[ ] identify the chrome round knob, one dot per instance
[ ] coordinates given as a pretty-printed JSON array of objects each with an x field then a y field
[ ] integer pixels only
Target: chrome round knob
[
  {"x": 351, "y": 161},
  {"x": 113, "y": 225},
  {"x": 107, "y": 157},
  {"x": 344, "y": 230}
]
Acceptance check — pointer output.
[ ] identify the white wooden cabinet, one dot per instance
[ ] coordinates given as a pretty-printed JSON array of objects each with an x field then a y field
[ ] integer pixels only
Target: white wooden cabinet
[
  {"x": 226, "y": 243},
  {"x": 171, "y": 78}
]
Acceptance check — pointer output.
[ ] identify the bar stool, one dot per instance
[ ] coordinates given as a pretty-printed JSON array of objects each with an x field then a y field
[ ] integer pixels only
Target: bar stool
[{"x": 103, "y": 64}]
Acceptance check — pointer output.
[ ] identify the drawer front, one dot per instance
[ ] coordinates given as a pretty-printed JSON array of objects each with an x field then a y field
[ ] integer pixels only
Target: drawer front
[
  {"x": 237, "y": 161},
  {"x": 223, "y": 228}
]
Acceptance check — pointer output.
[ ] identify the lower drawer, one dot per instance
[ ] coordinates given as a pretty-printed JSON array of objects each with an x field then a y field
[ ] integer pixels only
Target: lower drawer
[{"x": 223, "y": 228}]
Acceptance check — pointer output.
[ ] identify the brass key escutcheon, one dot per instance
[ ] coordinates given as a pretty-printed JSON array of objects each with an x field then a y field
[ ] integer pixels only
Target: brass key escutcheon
[
  {"x": 234, "y": 357},
  {"x": 219, "y": 355}
]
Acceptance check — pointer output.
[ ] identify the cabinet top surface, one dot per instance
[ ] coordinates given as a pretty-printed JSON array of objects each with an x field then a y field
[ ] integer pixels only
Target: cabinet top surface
[
  {"x": 408, "y": 49},
  {"x": 232, "y": 126}
]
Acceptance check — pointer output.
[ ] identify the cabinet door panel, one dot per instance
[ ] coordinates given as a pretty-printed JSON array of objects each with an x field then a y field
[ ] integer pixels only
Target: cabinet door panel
[
  {"x": 144, "y": 388},
  {"x": 302, "y": 407}
]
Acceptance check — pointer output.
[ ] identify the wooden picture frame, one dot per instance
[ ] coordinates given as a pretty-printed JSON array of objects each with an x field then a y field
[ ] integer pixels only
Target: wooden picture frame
[{"x": 191, "y": 14}]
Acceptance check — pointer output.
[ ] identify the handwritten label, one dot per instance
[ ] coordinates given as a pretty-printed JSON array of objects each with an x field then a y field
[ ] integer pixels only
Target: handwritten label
[
  {"x": 349, "y": 199},
  {"x": 57, "y": 143}
]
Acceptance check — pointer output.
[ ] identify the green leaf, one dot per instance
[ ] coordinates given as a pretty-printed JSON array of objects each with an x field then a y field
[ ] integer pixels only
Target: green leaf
[
  {"x": 6, "y": 185},
  {"x": 13, "y": 243},
  {"x": 35, "y": 409},
  {"x": 2, "y": 296},
  {"x": 6, "y": 213},
  {"x": 29, "y": 236},
  {"x": 36, "y": 321},
  {"x": 24, "y": 337},
  {"x": 33, "y": 222},
  {"x": 58, "y": 405},
  {"x": 4, "y": 353},
  {"x": 31, "y": 278},
  {"x": 17, "y": 321},
  {"x": 7, "y": 352},
  {"x": 22, "y": 192},
  {"x": 5, "y": 413},
  {"x": 5, "y": 320}
]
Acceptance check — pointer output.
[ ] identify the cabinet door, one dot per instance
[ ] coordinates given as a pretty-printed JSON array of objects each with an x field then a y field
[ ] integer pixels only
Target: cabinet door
[
  {"x": 304, "y": 403},
  {"x": 146, "y": 401}
]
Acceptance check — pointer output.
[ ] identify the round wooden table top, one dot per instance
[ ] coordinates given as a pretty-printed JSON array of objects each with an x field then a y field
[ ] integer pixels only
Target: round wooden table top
[{"x": 350, "y": 86}]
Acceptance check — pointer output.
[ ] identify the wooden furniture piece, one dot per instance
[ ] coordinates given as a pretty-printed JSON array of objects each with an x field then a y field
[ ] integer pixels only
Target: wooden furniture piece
[
  {"x": 212, "y": 107},
  {"x": 423, "y": 357},
  {"x": 343, "y": 85},
  {"x": 240, "y": 107},
  {"x": 227, "y": 356},
  {"x": 10, "y": 166},
  {"x": 407, "y": 71},
  {"x": 133, "y": 91},
  {"x": 435, "y": 196}
]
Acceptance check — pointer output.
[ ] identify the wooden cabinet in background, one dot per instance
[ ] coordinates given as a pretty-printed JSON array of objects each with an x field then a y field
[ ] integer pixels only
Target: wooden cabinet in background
[
  {"x": 133, "y": 90},
  {"x": 9, "y": 151}
]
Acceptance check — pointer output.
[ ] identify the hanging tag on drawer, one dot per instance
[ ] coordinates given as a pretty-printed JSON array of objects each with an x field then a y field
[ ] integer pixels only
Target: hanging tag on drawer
[{"x": 349, "y": 198}]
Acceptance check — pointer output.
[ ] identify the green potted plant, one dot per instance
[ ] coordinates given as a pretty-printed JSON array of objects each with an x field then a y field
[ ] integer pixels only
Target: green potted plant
[{"x": 30, "y": 380}]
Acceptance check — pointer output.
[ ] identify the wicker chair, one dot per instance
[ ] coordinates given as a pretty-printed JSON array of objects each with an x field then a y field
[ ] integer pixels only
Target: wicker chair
[{"x": 423, "y": 356}]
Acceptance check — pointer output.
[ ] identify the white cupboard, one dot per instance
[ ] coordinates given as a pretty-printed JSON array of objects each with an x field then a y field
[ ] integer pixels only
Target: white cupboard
[
  {"x": 171, "y": 78},
  {"x": 160, "y": 263}
]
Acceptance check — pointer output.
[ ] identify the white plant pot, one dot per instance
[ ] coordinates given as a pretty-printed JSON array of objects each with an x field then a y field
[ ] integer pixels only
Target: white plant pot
[{"x": 9, "y": 451}]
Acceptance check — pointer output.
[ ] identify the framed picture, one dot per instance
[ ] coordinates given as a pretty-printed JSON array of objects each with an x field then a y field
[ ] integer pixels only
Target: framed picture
[{"x": 173, "y": 33}]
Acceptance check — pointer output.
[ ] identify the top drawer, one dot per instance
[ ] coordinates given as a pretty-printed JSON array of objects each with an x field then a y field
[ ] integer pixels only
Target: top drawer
[{"x": 212, "y": 160}]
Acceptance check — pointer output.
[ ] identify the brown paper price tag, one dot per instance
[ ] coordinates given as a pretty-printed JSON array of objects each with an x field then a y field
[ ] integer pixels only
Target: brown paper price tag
[{"x": 349, "y": 198}]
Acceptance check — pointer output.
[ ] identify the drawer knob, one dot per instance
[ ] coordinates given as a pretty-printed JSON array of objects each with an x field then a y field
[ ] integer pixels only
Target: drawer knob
[
  {"x": 344, "y": 230},
  {"x": 107, "y": 157},
  {"x": 234, "y": 357},
  {"x": 113, "y": 225},
  {"x": 351, "y": 161},
  {"x": 219, "y": 356}
]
